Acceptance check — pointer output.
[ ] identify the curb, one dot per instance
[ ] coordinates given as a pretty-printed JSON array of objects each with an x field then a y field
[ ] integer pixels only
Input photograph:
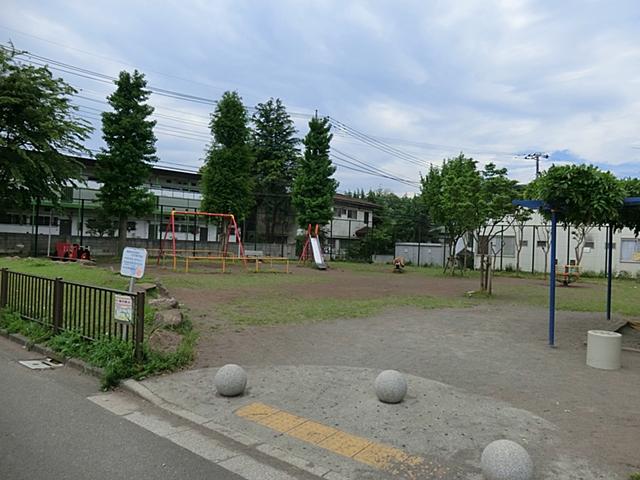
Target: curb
[
  {"x": 137, "y": 388},
  {"x": 75, "y": 363}
]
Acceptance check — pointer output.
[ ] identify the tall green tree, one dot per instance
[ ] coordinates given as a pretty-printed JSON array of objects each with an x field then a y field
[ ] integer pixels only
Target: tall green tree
[
  {"x": 124, "y": 166},
  {"x": 313, "y": 186},
  {"x": 38, "y": 131},
  {"x": 276, "y": 156},
  {"x": 451, "y": 194},
  {"x": 227, "y": 181}
]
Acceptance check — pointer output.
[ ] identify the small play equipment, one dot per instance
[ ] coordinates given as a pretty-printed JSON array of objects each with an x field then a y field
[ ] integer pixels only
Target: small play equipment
[
  {"x": 604, "y": 349},
  {"x": 568, "y": 274},
  {"x": 71, "y": 251},
  {"x": 313, "y": 243},
  {"x": 232, "y": 235},
  {"x": 398, "y": 265}
]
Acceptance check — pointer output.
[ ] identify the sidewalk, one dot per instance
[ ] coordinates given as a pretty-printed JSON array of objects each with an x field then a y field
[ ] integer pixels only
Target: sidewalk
[{"x": 328, "y": 421}]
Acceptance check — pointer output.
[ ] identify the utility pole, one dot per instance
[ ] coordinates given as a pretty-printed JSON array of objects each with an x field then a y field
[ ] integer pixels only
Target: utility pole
[{"x": 536, "y": 156}]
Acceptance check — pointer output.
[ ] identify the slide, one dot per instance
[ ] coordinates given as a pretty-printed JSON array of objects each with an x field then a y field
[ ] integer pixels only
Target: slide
[{"x": 317, "y": 253}]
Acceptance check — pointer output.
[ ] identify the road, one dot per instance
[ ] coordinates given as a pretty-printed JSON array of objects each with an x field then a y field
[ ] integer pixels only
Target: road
[{"x": 48, "y": 429}]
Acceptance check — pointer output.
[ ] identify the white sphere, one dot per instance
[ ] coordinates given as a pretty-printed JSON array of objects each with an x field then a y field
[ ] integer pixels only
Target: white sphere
[
  {"x": 506, "y": 460},
  {"x": 390, "y": 386},
  {"x": 230, "y": 380}
]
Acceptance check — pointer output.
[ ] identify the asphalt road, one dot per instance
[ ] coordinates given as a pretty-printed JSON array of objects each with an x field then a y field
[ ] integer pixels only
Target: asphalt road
[{"x": 48, "y": 429}]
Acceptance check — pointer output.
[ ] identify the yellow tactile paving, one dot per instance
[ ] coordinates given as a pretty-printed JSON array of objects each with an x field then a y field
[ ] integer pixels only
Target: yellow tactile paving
[
  {"x": 345, "y": 444},
  {"x": 282, "y": 421},
  {"x": 312, "y": 432},
  {"x": 360, "y": 449},
  {"x": 256, "y": 411}
]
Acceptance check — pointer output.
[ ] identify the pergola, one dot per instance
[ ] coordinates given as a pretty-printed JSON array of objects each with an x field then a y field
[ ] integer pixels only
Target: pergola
[{"x": 541, "y": 205}]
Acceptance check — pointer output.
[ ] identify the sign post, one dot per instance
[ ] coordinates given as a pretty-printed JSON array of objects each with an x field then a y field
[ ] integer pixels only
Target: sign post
[
  {"x": 133, "y": 263},
  {"x": 132, "y": 266}
]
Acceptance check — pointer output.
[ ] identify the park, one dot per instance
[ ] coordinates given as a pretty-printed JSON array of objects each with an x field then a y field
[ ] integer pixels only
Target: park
[{"x": 473, "y": 323}]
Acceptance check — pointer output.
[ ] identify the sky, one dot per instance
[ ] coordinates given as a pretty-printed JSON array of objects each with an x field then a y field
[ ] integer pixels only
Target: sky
[{"x": 406, "y": 83}]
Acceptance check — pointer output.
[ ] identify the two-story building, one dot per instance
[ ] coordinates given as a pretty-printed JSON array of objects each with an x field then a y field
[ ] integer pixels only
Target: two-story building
[{"x": 75, "y": 221}]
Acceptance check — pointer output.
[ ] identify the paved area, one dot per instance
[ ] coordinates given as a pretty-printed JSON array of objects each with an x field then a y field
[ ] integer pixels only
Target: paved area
[
  {"x": 582, "y": 422},
  {"x": 48, "y": 429}
]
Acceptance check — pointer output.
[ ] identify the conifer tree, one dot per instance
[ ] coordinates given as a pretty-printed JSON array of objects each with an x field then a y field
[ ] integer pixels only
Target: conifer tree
[
  {"x": 124, "y": 166},
  {"x": 227, "y": 183},
  {"x": 313, "y": 187},
  {"x": 276, "y": 156}
]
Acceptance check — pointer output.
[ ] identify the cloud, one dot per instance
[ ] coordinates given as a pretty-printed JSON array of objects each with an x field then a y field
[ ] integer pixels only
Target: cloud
[{"x": 492, "y": 79}]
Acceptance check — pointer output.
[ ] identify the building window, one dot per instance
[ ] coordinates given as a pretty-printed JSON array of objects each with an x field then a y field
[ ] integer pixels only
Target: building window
[
  {"x": 352, "y": 214},
  {"x": 524, "y": 243},
  {"x": 483, "y": 245},
  {"x": 542, "y": 244},
  {"x": 505, "y": 246},
  {"x": 589, "y": 244},
  {"x": 366, "y": 218},
  {"x": 630, "y": 250}
]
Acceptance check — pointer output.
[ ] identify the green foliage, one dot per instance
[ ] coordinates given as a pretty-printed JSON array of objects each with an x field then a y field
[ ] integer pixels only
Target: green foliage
[
  {"x": 12, "y": 322},
  {"x": 124, "y": 166},
  {"x": 634, "y": 476},
  {"x": 452, "y": 194},
  {"x": 399, "y": 219},
  {"x": 101, "y": 224},
  {"x": 71, "y": 344},
  {"x": 227, "y": 183},
  {"x": 276, "y": 156},
  {"x": 313, "y": 187},
  {"x": 630, "y": 215},
  {"x": 38, "y": 126},
  {"x": 580, "y": 194}
]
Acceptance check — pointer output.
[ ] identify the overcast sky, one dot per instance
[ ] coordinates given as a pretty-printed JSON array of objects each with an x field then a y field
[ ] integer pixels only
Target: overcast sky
[{"x": 428, "y": 79}]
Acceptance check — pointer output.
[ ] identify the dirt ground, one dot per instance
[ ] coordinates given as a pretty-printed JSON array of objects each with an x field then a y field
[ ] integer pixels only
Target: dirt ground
[{"x": 496, "y": 350}]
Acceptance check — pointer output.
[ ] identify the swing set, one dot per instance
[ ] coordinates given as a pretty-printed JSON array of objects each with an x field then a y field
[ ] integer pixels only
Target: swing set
[{"x": 224, "y": 256}]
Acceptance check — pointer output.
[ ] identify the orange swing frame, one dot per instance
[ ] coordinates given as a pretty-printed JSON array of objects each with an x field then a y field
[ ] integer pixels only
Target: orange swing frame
[{"x": 171, "y": 227}]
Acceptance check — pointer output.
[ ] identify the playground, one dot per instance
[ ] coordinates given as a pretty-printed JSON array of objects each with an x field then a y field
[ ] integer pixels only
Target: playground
[
  {"x": 425, "y": 324},
  {"x": 488, "y": 356}
]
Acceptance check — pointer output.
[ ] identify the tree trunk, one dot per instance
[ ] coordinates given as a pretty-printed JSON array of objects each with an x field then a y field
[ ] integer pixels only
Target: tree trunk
[
  {"x": 482, "y": 284},
  {"x": 122, "y": 235}
]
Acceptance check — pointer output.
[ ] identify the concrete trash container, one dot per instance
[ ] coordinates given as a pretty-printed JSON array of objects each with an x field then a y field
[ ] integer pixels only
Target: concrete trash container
[{"x": 604, "y": 349}]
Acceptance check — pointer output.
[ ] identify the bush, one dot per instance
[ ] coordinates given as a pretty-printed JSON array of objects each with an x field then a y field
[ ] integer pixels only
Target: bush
[{"x": 14, "y": 323}]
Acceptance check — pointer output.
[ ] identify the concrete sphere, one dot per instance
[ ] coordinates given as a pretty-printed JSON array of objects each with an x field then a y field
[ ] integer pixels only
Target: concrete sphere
[
  {"x": 230, "y": 380},
  {"x": 391, "y": 386},
  {"x": 506, "y": 460}
]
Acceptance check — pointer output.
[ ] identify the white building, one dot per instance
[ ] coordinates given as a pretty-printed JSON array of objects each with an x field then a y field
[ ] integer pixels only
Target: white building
[{"x": 535, "y": 248}]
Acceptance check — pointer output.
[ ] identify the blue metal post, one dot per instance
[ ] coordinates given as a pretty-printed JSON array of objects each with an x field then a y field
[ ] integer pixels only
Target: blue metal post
[
  {"x": 609, "y": 270},
  {"x": 552, "y": 286}
]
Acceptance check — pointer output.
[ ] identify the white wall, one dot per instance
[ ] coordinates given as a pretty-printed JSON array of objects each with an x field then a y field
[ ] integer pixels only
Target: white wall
[{"x": 593, "y": 259}]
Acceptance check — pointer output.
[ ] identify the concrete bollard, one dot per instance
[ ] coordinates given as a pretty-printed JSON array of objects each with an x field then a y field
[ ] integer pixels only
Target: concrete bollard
[{"x": 230, "y": 380}]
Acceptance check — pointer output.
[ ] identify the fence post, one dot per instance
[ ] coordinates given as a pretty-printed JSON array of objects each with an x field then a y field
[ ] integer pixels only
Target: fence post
[
  {"x": 58, "y": 297},
  {"x": 139, "y": 326},
  {"x": 4, "y": 287}
]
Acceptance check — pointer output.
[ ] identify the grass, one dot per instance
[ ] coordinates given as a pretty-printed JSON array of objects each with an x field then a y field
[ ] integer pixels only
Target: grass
[
  {"x": 269, "y": 310},
  {"x": 113, "y": 355},
  {"x": 69, "y": 271}
]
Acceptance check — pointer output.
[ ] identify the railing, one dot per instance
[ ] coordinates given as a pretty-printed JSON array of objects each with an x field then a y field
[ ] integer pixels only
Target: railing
[{"x": 62, "y": 305}]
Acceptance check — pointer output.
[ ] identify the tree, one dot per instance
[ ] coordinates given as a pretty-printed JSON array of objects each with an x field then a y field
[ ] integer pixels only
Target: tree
[
  {"x": 582, "y": 196},
  {"x": 227, "y": 183},
  {"x": 520, "y": 218},
  {"x": 492, "y": 209},
  {"x": 450, "y": 194},
  {"x": 38, "y": 131},
  {"x": 276, "y": 156},
  {"x": 101, "y": 225},
  {"x": 124, "y": 166},
  {"x": 313, "y": 187}
]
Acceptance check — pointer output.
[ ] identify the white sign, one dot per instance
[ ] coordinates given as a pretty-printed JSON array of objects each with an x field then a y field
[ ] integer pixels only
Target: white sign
[
  {"x": 123, "y": 308},
  {"x": 133, "y": 262}
]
